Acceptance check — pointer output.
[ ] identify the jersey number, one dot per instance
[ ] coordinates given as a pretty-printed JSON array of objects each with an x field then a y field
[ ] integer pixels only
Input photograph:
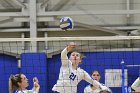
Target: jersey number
[{"x": 72, "y": 76}]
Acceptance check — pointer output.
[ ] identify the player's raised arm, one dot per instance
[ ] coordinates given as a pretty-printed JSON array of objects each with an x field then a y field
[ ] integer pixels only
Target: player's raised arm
[
  {"x": 64, "y": 57},
  {"x": 136, "y": 84},
  {"x": 36, "y": 85}
]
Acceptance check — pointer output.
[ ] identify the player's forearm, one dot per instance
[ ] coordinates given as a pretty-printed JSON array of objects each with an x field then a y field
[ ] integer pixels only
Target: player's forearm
[
  {"x": 64, "y": 53},
  {"x": 36, "y": 89},
  {"x": 64, "y": 58},
  {"x": 136, "y": 88},
  {"x": 98, "y": 84},
  {"x": 36, "y": 85},
  {"x": 92, "y": 81},
  {"x": 136, "y": 84}
]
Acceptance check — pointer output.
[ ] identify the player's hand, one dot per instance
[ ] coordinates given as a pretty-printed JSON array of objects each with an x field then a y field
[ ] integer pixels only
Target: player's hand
[
  {"x": 71, "y": 46},
  {"x": 35, "y": 81}
]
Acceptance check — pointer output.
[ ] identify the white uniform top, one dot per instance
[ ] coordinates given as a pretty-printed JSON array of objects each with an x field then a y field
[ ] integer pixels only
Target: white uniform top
[
  {"x": 69, "y": 77},
  {"x": 88, "y": 89},
  {"x": 26, "y": 91},
  {"x": 136, "y": 84}
]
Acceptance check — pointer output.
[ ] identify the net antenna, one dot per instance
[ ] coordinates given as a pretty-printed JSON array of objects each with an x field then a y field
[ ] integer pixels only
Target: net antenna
[
  {"x": 123, "y": 66},
  {"x": 124, "y": 90}
]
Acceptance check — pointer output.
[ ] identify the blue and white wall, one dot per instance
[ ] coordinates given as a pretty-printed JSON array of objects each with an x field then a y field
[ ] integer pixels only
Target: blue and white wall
[
  {"x": 98, "y": 61},
  {"x": 47, "y": 69}
]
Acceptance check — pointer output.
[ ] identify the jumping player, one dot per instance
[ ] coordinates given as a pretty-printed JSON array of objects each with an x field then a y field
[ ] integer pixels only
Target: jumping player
[{"x": 70, "y": 74}]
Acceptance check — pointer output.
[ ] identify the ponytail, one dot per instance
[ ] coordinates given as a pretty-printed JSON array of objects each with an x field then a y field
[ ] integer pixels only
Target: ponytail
[{"x": 13, "y": 82}]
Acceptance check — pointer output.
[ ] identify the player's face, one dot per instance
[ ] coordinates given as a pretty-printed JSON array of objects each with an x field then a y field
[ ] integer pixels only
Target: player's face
[
  {"x": 24, "y": 82},
  {"x": 75, "y": 58},
  {"x": 96, "y": 75}
]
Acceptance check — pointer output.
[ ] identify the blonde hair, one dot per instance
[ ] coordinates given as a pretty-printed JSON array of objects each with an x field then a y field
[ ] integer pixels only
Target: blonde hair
[
  {"x": 13, "y": 82},
  {"x": 10, "y": 86}
]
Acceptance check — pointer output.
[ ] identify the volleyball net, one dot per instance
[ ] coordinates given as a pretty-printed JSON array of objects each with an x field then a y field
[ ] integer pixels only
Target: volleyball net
[{"x": 40, "y": 57}]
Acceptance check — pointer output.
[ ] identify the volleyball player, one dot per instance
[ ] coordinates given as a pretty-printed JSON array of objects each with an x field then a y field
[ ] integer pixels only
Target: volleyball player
[
  {"x": 136, "y": 85},
  {"x": 70, "y": 72},
  {"x": 93, "y": 89},
  {"x": 20, "y": 82}
]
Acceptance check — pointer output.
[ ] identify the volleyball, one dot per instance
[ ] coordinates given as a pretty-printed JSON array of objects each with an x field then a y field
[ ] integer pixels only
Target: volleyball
[{"x": 66, "y": 23}]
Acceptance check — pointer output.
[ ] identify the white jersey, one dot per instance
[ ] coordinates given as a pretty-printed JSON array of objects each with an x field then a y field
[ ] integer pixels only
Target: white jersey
[
  {"x": 26, "y": 91},
  {"x": 136, "y": 84},
  {"x": 69, "y": 77},
  {"x": 88, "y": 89}
]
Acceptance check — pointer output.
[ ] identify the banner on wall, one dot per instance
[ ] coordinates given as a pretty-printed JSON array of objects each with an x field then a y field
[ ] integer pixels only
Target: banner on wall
[{"x": 113, "y": 77}]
